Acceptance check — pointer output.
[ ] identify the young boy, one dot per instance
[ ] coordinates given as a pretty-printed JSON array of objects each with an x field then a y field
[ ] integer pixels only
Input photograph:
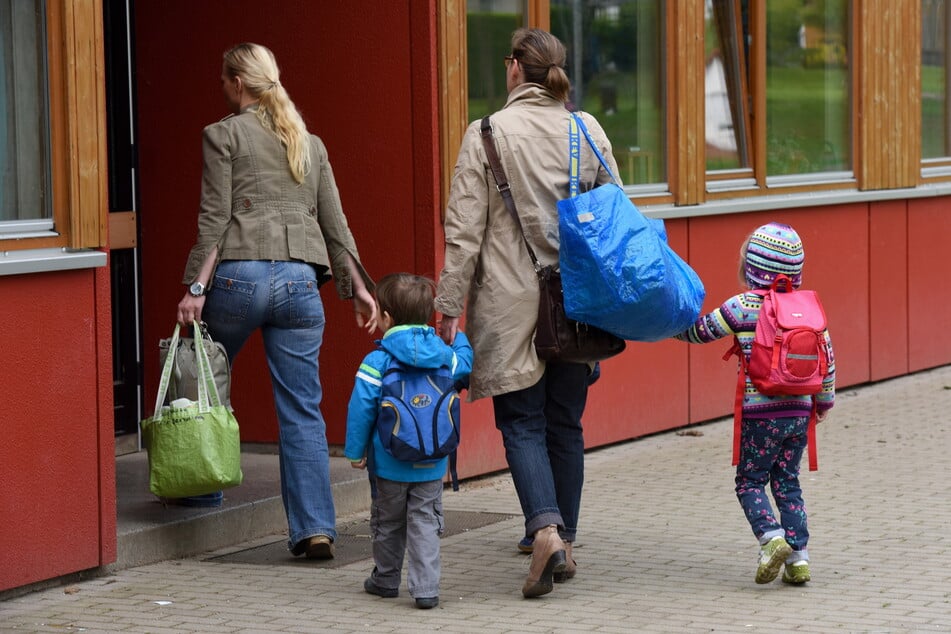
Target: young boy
[{"x": 406, "y": 512}]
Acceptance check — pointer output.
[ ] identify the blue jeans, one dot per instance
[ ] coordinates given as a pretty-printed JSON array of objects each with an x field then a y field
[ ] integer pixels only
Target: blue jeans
[
  {"x": 282, "y": 300},
  {"x": 544, "y": 446},
  {"x": 770, "y": 452}
]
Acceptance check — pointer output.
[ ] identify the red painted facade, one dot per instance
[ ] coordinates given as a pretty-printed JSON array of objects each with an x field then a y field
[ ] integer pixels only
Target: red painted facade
[{"x": 366, "y": 82}]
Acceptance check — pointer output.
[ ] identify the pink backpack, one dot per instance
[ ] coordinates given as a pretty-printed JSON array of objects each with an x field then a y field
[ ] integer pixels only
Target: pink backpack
[{"x": 789, "y": 355}]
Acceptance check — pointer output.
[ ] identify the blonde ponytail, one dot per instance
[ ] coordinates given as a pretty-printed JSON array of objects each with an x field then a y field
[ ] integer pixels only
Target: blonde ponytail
[{"x": 257, "y": 68}]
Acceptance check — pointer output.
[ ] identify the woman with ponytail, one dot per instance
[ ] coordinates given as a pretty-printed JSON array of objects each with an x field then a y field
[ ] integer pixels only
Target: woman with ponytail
[
  {"x": 488, "y": 273},
  {"x": 271, "y": 231}
]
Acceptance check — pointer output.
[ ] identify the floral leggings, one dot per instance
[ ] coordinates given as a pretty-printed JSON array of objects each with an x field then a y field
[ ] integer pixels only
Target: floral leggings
[{"x": 770, "y": 451}]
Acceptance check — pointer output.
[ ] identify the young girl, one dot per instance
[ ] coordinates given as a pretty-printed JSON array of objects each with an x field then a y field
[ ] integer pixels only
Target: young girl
[{"x": 774, "y": 428}]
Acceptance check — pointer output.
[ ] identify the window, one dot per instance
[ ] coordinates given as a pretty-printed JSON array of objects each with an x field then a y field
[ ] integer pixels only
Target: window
[
  {"x": 53, "y": 190},
  {"x": 935, "y": 141},
  {"x": 804, "y": 54},
  {"x": 24, "y": 119},
  {"x": 489, "y": 24},
  {"x": 616, "y": 66}
]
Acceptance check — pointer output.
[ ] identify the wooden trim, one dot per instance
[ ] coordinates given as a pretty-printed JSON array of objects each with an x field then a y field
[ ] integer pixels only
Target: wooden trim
[
  {"x": 539, "y": 14},
  {"x": 758, "y": 89},
  {"x": 86, "y": 121},
  {"x": 686, "y": 104},
  {"x": 122, "y": 230},
  {"x": 453, "y": 87},
  {"x": 887, "y": 110}
]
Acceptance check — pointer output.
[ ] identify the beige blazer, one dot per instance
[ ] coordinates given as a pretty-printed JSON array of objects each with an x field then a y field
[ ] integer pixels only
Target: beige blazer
[
  {"x": 253, "y": 209},
  {"x": 487, "y": 270}
]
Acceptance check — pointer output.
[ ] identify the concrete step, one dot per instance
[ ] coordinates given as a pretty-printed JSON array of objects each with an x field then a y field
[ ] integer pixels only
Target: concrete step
[{"x": 148, "y": 531}]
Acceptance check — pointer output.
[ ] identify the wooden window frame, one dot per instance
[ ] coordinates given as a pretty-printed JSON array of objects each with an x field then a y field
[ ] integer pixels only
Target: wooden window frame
[
  {"x": 78, "y": 158},
  {"x": 885, "y": 109}
]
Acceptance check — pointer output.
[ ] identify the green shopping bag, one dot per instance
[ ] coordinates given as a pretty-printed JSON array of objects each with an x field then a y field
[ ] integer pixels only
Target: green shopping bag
[{"x": 194, "y": 447}]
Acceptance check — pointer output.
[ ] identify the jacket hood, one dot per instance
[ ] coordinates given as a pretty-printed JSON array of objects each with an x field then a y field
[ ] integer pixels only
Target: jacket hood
[{"x": 418, "y": 346}]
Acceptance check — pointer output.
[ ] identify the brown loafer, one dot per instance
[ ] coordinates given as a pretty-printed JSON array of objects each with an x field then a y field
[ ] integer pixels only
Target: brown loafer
[
  {"x": 571, "y": 567},
  {"x": 315, "y": 547},
  {"x": 548, "y": 558}
]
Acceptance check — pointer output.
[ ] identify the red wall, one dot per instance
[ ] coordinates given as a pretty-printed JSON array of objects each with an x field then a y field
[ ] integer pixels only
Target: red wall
[
  {"x": 365, "y": 83},
  {"x": 57, "y": 470}
]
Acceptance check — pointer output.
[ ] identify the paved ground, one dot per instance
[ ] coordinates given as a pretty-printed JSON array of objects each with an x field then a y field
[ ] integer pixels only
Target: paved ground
[{"x": 663, "y": 547}]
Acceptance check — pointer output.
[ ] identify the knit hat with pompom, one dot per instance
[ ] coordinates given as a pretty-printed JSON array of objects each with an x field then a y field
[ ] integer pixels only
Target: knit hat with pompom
[{"x": 773, "y": 249}]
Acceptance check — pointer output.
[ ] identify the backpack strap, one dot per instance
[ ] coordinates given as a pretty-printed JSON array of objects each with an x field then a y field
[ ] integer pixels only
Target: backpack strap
[
  {"x": 811, "y": 436},
  {"x": 738, "y": 412},
  {"x": 738, "y": 400}
]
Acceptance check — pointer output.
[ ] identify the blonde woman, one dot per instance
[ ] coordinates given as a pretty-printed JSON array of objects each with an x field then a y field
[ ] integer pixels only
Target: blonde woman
[{"x": 271, "y": 230}]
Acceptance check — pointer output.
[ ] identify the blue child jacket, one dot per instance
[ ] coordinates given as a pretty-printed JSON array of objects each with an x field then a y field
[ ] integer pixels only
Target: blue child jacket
[{"x": 420, "y": 347}]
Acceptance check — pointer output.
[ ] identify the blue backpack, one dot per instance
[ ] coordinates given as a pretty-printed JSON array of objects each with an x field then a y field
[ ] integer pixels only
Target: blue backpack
[{"x": 419, "y": 415}]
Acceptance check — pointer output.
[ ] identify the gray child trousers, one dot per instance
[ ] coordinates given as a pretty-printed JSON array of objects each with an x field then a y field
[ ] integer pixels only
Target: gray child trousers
[{"x": 407, "y": 518}]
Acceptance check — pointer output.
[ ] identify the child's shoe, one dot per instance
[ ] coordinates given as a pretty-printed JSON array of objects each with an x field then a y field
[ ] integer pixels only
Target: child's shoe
[
  {"x": 771, "y": 558},
  {"x": 797, "y": 572},
  {"x": 526, "y": 544},
  {"x": 427, "y": 603}
]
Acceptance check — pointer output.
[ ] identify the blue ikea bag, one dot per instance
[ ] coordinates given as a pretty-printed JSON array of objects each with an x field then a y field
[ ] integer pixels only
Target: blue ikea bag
[{"x": 617, "y": 270}]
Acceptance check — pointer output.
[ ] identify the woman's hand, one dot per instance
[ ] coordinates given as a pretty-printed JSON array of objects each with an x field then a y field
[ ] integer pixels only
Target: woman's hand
[
  {"x": 189, "y": 309},
  {"x": 364, "y": 306},
  {"x": 448, "y": 327}
]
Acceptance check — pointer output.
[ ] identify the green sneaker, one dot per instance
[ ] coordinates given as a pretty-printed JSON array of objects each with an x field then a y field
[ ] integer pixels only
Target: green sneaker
[
  {"x": 771, "y": 558},
  {"x": 797, "y": 572}
]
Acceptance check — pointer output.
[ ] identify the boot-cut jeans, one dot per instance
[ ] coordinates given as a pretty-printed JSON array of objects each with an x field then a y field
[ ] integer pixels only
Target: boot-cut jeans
[
  {"x": 544, "y": 446},
  {"x": 282, "y": 300}
]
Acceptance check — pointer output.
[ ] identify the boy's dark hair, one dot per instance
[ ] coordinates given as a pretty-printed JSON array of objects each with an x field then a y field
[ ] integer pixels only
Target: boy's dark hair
[{"x": 406, "y": 297}]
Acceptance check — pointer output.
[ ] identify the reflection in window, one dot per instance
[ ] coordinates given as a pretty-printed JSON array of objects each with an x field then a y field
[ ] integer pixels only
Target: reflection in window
[
  {"x": 727, "y": 126},
  {"x": 615, "y": 63},
  {"x": 24, "y": 114},
  {"x": 934, "y": 80},
  {"x": 807, "y": 87},
  {"x": 489, "y": 24}
]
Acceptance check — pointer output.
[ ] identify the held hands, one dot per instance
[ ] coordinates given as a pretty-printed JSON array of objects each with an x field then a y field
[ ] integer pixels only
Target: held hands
[
  {"x": 821, "y": 416},
  {"x": 448, "y": 327},
  {"x": 364, "y": 307},
  {"x": 359, "y": 464}
]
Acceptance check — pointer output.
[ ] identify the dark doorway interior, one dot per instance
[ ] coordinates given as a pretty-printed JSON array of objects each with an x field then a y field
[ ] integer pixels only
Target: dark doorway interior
[{"x": 124, "y": 256}]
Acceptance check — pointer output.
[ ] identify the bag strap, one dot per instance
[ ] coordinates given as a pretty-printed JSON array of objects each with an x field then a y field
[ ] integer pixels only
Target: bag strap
[
  {"x": 597, "y": 152},
  {"x": 166, "y": 374},
  {"x": 502, "y": 184},
  {"x": 208, "y": 396}
]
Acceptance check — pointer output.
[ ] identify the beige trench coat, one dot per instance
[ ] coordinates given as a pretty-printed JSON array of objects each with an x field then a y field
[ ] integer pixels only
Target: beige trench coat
[{"x": 487, "y": 270}]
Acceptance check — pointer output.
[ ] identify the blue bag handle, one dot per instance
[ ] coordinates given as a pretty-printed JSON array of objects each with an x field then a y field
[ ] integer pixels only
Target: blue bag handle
[{"x": 573, "y": 151}]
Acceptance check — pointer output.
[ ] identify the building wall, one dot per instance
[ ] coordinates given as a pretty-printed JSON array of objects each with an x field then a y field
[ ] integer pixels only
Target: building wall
[
  {"x": 57, "y": 475},
  {"x": 366, "y": 84}
]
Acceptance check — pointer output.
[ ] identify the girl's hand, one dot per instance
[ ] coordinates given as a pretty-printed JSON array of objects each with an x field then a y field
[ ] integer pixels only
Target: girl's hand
[{"x": 359, "y": 464}]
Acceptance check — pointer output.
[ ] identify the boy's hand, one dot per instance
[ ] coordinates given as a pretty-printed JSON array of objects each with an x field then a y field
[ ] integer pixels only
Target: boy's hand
[{"x": 359, "y": 464}]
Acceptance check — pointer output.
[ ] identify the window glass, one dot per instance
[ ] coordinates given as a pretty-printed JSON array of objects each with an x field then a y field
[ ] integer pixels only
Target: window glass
[
  {"x": 616, "y": 63},
  {"x": 24, "y": 115},
  {"x": 727, "y": 127},
  {"x": 934, "y": 80},
  {"x": 807, "y": 87},
  {"x": 489, "y": 28}
]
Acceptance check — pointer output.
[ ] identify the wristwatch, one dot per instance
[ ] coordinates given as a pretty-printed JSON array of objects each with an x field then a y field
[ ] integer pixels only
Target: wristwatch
[{"x": 197, "y": 289}]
